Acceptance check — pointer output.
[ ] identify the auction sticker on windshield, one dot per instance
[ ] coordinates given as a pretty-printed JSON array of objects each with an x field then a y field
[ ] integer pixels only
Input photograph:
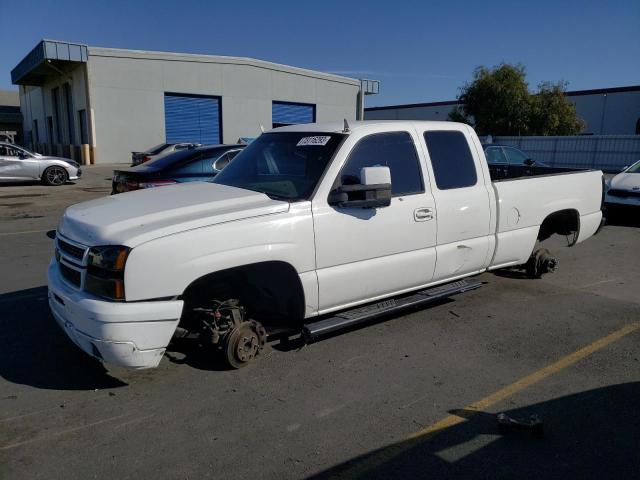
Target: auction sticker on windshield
[{"x": 320, "y": 141}]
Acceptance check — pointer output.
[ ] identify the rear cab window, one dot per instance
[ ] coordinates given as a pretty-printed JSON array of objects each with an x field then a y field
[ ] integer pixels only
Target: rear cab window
[{"x": 451, "y": 159}]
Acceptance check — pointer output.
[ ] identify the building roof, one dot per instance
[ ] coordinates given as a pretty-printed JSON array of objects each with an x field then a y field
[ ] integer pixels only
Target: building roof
[
  {"x": 574, "y": 93},
  {"x": 9, "y": 98},
  {"x": 220, "y": 59},
  {"x": 50, "y": 57},
  {"x": 10, "y": 114},
  {"x": 338, "y": 127}
]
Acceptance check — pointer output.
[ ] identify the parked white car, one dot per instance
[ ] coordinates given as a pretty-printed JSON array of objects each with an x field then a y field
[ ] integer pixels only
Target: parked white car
[
  {"x": 306, "y": 225},
  {"x": 624, "y": 188},
  {"x": 19, "y": 164}
]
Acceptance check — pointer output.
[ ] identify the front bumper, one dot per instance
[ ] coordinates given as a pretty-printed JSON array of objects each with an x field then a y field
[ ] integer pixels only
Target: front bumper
[
  {"x": 127, "y": 334},
  {"x": 77, "y": 175}
]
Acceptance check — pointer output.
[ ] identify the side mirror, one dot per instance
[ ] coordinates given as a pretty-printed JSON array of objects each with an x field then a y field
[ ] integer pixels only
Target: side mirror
[
  {"x": 373, "y": 191},
  {"x": 528, "y": 162},
  {"x": 22, "y": 156}
]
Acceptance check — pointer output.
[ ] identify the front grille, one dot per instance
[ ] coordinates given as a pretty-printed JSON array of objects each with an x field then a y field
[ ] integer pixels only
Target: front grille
[
  {"x": 71, "y": 250},
  {"x": 624, "y": 193},
  {"x": 70, "y": 275}
]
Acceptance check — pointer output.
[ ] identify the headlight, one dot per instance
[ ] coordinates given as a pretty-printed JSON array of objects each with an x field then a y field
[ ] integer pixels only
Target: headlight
[{"x": 105, "y": 271}]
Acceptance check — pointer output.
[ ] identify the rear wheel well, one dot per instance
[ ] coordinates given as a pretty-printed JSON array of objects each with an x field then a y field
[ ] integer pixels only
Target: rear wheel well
[
  {"x": 562, "y": 222},
  {"x": 271, "y": 292}
]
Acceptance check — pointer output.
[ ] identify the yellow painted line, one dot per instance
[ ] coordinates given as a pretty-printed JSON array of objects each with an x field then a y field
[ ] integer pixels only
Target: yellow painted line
[
  {"x": 362, "y": 468},
  {"x": 527, "y": 381}
]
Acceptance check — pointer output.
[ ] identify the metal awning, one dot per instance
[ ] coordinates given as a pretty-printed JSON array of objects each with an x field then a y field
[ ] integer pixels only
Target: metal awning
[
  {"x": 46, "y": 60},
  {"x": 10, "y": 114}
]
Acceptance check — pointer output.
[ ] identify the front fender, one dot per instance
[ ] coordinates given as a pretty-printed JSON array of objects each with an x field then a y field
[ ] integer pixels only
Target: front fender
[{"x": 166, "y": 266}]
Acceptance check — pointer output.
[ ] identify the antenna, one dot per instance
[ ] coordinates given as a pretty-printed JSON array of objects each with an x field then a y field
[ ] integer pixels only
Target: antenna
[
  {"x": 346, "y": 127},
  {"x": 261, "y": 128}
]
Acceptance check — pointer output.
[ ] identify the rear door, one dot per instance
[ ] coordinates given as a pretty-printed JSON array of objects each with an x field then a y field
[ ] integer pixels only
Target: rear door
[
  {"x": 363, "y": 254},
  {"x": 462, "y": 201}
]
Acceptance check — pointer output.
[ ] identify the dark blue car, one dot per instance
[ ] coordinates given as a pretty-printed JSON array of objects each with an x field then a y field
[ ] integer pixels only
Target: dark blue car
[{"x": 197, "y": 164}]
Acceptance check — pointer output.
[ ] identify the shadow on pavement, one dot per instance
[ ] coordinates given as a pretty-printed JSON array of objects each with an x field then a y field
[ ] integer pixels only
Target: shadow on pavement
[
  {"x": 592, "y": 434},
  {"x": 34, "y": 351},
  {"x": 195, "y": 355}
]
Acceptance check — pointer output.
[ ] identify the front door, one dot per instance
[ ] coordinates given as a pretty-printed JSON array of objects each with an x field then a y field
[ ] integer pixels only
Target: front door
[
  {"x": 15, "y": 164},
  {"x": 363, "y": 254}
]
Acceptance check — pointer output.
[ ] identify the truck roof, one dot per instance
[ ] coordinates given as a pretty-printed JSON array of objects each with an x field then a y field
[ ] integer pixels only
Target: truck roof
[{"x": 338, "y": 127}]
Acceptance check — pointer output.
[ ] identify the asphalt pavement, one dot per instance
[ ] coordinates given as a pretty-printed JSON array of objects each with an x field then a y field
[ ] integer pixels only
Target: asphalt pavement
[{"x": 412, "y": 396}]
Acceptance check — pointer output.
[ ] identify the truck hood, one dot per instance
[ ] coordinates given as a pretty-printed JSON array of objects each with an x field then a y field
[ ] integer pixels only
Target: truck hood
[{"x": 136, "y": 217}]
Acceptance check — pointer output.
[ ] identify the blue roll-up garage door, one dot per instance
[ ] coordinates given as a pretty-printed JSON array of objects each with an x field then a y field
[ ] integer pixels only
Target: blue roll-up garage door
[
  {"x": 192, "y": 118},
  {"x": 287, "y": 113}
]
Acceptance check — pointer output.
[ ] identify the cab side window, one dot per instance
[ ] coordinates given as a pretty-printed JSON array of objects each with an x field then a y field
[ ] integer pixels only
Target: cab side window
[
  {"x": 395, "y": 150},
  {"x": 451, "y": 159}
]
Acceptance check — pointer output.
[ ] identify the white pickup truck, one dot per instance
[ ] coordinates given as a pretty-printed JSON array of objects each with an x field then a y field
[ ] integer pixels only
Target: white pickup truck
[{"x": 314, "y": 227}]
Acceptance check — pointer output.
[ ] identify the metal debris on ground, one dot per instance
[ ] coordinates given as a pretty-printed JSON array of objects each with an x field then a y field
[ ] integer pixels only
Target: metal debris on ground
[{"x": 508, "y": 424}]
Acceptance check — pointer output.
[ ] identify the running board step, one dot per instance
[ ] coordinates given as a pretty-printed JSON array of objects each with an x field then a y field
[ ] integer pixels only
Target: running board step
[{"x": 359, "y": 315}]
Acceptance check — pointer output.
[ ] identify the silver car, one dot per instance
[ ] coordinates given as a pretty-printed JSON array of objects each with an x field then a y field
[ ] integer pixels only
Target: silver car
[{"x": 19, "y": 164}]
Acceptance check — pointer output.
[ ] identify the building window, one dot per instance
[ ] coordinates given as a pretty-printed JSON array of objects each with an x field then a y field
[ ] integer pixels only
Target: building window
[
  {"x": 289, "y": 113},
  {"x": 82, "y": 121},
  {"x": 55, "y": 99},
  {"x": 68, "y": 101},
  {"x": 50, "y": 130},
  {"x": 192, "y": 118},
  {"x": 36, "y": 134}
]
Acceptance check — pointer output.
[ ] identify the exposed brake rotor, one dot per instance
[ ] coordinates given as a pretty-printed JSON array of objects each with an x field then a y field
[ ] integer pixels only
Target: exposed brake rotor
[{"x": 244, "y": 343}]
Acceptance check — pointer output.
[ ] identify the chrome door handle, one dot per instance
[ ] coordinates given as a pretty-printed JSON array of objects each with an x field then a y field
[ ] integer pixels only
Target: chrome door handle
[{"x": 422, "y": 214}]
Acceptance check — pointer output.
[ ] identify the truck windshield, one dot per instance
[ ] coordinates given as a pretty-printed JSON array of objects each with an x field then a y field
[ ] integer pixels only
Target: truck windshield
[{"x": 283, "y": 165}]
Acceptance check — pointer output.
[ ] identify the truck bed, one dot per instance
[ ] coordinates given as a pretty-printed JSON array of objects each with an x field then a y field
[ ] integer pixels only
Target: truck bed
[
  {"x": 510, "y": 172},
  {"x": 525, "y": 202}
]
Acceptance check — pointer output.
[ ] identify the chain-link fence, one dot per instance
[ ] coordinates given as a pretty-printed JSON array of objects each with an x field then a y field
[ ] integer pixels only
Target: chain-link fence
[{"x": 609, "y": 153}]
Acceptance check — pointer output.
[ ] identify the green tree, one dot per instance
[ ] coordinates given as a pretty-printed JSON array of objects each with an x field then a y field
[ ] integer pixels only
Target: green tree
[
  {"x": 551, "y": 113},
  {"x": 498, "y": 102}
]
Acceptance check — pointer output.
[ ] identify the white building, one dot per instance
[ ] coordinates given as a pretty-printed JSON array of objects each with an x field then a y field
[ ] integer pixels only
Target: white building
[
  {"x": 99, "y": 104},
  {"x": 605, "y": 111}
]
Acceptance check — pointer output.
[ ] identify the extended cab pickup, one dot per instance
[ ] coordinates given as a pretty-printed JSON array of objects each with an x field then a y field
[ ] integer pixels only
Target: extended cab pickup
[{"x": 307, "y": 223}]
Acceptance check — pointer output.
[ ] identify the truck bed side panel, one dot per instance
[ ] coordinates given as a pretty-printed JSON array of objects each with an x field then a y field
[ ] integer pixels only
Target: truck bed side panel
[{"x": 524, "y": 203}]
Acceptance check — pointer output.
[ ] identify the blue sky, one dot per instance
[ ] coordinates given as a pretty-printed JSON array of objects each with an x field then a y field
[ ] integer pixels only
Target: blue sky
[{"x": 420, "y": 51}]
